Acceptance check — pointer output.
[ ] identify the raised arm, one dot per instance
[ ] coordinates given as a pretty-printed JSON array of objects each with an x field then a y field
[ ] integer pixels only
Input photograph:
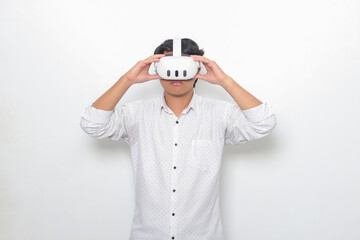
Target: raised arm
[
  {"x": 250, "y": 119},
  {"x": 111, "y": 97},
  {"x": 101, "y": 120},
  {"x": 247, "y": 120}
]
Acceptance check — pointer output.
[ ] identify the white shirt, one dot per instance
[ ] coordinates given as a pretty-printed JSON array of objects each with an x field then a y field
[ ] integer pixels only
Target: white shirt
[{"x": 176, "y": 160}]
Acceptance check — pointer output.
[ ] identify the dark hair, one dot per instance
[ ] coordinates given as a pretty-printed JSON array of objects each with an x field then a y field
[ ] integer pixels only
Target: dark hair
[{"x": 188, "y": 46}]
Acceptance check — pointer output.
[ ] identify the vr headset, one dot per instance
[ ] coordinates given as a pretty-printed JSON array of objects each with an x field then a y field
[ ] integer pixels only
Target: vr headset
[{"x": 178, "y": 66}]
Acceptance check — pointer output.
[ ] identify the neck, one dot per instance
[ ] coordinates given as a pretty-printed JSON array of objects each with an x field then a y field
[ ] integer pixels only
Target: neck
[{"x": 177, "y": 103}]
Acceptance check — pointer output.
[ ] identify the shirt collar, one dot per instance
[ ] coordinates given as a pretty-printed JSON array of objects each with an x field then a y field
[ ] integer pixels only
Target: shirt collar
[{"x": 192, "y": 104}]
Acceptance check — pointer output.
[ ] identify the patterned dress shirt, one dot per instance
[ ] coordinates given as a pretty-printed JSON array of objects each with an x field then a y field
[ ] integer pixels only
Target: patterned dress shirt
[{"x": 176, "y": 161}]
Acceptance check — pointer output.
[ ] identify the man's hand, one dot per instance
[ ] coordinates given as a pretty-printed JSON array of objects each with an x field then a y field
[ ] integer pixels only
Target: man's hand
[
  {"x": 140, "y": 71},
  {"x": 214, "y": 73}
]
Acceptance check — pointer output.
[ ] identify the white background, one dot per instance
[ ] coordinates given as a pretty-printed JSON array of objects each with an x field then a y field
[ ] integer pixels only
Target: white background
[{"x": 302, "y": 57}]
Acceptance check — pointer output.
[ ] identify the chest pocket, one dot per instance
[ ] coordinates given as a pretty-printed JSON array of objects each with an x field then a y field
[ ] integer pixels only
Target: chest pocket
[{"x": 206, "y": 154}]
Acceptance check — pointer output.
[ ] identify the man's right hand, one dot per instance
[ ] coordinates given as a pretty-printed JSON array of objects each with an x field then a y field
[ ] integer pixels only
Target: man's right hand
[{"x": 140, "y": 71}]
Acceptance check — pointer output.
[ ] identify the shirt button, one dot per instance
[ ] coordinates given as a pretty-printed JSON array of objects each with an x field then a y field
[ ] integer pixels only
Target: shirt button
[
  {"x": 173, "y": 190},
  {"x": 175, "y": 144},
  {"x": 172, "y": 237},
  {"x": 177, "y": 121},
  {"x": 174, "y": 167},
  {"x": 173, "y": 214}
]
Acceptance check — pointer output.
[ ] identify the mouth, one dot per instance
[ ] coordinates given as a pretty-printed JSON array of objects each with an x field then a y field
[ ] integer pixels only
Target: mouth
[{"x": 176, "y": 83}]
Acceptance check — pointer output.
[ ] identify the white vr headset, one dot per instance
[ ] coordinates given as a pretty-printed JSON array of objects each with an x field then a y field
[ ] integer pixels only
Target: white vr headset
[{"x": 177, "y": 66}]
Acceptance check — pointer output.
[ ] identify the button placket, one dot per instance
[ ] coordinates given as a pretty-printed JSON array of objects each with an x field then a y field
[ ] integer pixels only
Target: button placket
[{"x": 174, "y": 178}]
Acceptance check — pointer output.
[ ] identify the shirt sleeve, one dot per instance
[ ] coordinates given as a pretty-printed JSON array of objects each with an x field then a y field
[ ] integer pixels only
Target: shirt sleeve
[
  {"x": 113, "y": 124},
  {"x": 250, "y": 124}
]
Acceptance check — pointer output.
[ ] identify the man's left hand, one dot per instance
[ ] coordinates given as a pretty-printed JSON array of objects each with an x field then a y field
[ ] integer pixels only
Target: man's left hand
[{"x": 214, "y": 73}]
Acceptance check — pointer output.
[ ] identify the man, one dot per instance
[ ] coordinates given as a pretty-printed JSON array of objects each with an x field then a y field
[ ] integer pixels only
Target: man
[{"x": 176, "y": 143}]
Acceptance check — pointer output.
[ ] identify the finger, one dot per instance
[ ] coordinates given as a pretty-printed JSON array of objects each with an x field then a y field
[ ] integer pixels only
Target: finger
[
  {"x": 156, "y": 56},
  {"x": 152, "y": 58},
  {"x": 148, "y": 61},
  {"x": 201, "y": 58},
  {"x": 154, "y": 76},
  {"x": 201, "y": 76}
]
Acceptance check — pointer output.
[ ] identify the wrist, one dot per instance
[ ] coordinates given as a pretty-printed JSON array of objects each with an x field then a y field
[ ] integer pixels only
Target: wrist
[
  {"x": 227, "y": 82},
  {"x": 125, "y": 80}
]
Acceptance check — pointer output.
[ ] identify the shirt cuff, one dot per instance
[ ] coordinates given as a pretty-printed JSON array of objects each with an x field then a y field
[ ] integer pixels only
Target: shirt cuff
[
  {"x": 258, "y": 113},
  {"x": 97, "y": 115}
]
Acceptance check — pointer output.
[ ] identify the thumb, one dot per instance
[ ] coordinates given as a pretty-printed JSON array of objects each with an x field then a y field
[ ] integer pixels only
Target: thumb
[
  {"x": 201, "y": 76},
  {"x": 154, "y": 76}
]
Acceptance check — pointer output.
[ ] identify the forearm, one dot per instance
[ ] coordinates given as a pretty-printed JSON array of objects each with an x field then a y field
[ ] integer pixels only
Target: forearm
[
  {"x": 111, "y": 97},
  {"x": 242, "y": 97}
]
